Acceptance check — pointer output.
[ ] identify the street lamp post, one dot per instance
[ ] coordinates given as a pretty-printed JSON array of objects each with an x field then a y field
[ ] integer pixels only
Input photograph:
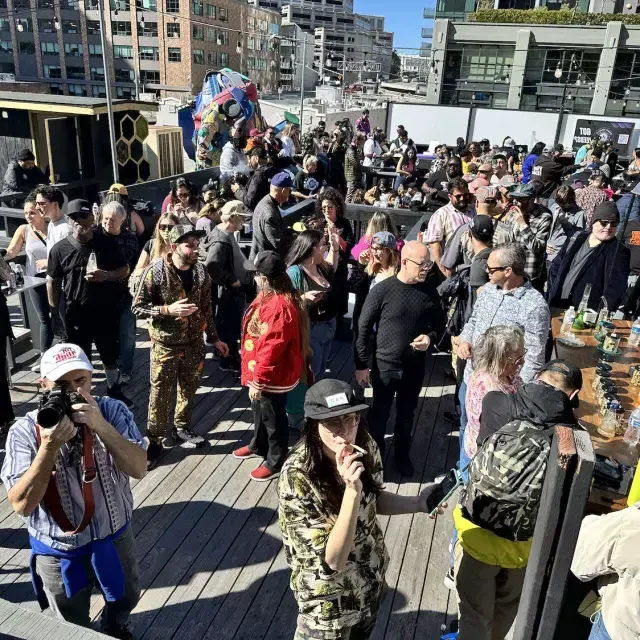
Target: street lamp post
[{"x": 107, "y": 87}]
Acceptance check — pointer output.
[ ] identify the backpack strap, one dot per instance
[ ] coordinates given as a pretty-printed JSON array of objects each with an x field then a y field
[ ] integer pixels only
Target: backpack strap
[{"x": 89, "y": 474}]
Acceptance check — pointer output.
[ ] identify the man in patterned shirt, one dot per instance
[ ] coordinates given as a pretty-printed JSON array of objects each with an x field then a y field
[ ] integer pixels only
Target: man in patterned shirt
[
  {"x": 78, "y": 520},
  {"x": 446, "y": 220},
  {"x": 531, "y": 224},
  {"x": 592, "y": 195},
  {"x": 508, "y": 299}
]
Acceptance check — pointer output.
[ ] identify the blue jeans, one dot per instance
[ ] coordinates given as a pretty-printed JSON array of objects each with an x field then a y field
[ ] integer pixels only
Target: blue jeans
[
  {"x": 400, "y": 179},
  {"x": 40, "y": 303},
  {"x": 599, "y": 631},
  {"x": 127, "y": 338},
  {"x": 321, "y": 338}
]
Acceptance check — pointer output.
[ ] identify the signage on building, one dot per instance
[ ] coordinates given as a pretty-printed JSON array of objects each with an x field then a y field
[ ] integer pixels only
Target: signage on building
[
  {"x": 617, "y": 133},
  {"x": 365, "y": 65}
]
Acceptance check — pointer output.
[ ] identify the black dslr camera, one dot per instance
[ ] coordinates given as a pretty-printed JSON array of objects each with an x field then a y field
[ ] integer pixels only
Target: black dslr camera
[{"x": 54, "y": 404}]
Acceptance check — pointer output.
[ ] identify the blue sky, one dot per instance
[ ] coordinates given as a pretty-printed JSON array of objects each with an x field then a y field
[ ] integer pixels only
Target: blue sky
[{"x": 403, "y": 17}]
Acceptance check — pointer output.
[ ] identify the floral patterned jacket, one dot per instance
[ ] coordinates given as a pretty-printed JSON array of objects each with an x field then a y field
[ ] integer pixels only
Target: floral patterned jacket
[{"x": 330, "y": 600}]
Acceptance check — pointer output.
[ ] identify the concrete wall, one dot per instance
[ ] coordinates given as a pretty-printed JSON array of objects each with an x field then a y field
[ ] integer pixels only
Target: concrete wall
[{"x": 427, "y": 123}]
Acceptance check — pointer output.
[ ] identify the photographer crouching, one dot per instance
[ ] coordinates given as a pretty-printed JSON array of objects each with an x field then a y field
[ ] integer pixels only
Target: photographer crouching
[{"x": 66, "y": 469}]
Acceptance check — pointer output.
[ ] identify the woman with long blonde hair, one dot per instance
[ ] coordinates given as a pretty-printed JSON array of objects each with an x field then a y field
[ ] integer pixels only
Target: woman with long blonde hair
[{"x": 159, "y": 244}]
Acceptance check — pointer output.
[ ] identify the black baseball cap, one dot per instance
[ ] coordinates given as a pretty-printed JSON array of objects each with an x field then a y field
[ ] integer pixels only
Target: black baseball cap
[
  {"x": 268, "y": 263},
  {"x": 329, "y": 399},
  {"x": 78, "y": 209},
  {"x": 570, "y": 371},
  {"x": 481, "y": 227},
  {"x": 606, "y": 211}
]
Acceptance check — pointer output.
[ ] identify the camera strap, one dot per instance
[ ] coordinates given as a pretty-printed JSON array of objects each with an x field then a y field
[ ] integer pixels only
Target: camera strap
[{"x": 89, "y": 474}]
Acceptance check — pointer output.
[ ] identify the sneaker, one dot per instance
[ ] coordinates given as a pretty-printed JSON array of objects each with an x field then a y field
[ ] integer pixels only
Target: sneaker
[
  {"x": 125, "y": 378},
  {"x": 154, "y": 451},
  {"x": 244, "y": 453},
  {"x": 450, "y": 579},
  {"x": 262, "y": 474},
  {"x": 404, "y": 466},
  {"x": 171, "y": 440},
  {"x": 452, "y": 417},
  {"x": 226, "y": 364},
  {"x": 189, "y": 439},
  {"x": 115, "y": 392},
  {"x": 35, "y": 367}
]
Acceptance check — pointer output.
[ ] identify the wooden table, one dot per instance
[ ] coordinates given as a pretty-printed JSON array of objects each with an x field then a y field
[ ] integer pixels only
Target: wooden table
[{"x": 589, "y": 412}]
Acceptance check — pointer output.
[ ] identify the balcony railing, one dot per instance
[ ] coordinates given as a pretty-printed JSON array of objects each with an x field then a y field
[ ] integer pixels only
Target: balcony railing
[
  {"x": 427, "y": 32},
  {"x": 429, "y": 13}
]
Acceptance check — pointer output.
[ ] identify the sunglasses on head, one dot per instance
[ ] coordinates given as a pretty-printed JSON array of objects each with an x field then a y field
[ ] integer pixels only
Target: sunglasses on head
[{"x": 166, "y": 227}]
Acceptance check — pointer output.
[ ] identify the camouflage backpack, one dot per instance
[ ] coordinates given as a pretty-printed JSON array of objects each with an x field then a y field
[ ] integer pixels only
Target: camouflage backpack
[{"x": 506, "y": 478}]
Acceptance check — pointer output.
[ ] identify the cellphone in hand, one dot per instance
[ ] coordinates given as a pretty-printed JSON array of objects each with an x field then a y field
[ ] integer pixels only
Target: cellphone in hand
[{"x": 447, "y": 485}]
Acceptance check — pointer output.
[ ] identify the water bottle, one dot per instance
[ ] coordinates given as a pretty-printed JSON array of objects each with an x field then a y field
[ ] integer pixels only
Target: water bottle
[
  {"x": 634, "y": 336},
  {"x": 632, "y": 434},
  {"x": 92, "y": 264},
  {"x": 567, "y": 321},
  {"x": 19, "y": 276},
  {"x": 13, "y": 280}
]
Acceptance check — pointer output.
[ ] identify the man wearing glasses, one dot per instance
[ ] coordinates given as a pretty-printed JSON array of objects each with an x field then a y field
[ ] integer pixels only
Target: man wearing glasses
[
  {"x": 406, "y": 313},
  {"x": 596, "y": 257}
]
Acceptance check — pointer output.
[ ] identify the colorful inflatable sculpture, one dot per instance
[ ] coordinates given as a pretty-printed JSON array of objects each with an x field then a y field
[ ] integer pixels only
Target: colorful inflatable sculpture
[{"x": 228, "y": 99}]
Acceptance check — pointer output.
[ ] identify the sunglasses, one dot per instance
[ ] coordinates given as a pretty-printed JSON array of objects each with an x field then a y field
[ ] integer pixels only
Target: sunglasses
[
  {"x": 492, "y": 270},
  {"x": 608, "y": 223},
  {"x": 166, "y": 227}
]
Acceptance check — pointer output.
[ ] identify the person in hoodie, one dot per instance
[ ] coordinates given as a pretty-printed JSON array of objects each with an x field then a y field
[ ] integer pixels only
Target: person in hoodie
[
  {"x": 258, "y": 185},
  {"x": 549, "y": 170},
  {"x": 489, "y": 569},
  {"x": 23, "y": 174},
  {"x": 530, "y": 160},
  {"x": 225, "y": 263}
]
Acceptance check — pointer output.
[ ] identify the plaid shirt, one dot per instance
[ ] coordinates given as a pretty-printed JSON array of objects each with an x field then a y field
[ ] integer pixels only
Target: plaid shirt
[
  {"x": 534, "y": 237},
  {"x": 111, "y": 491},
  {"x": 444, "y": 223}
]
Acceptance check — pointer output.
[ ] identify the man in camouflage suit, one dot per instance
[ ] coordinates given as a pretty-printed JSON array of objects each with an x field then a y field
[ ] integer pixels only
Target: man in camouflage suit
[{"x": 175, "y": 292}]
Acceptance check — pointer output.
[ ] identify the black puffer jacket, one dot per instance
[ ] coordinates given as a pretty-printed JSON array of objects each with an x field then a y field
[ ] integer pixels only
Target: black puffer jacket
[{"x": 537, "y": 402}]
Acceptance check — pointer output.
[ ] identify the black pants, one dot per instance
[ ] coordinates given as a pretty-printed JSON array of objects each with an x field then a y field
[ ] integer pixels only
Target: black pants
[
  {"x": 271, "y": 429},
  {"x": 6, "y": 410},
  {"x": 87, "y": 324},
  {"x": 229, "y": 319},
  {"x": 405, "y": 386}
]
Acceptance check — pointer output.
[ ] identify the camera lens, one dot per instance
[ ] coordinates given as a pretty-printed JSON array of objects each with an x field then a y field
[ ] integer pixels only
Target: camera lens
[{"x": 49, "y": 416}]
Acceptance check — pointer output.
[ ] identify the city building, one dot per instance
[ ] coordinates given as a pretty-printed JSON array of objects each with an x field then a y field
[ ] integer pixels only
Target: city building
[
  {"x": 340, "y": 34},
  {"x": 292, "y": 72},
  {"x": 582, "y": 69},
  {"x": 155, "y": 48},
  {"x": 412, "y": 66}
]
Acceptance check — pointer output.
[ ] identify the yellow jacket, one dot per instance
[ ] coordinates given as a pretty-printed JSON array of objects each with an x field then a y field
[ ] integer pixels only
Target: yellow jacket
[{"x": 485, "y": 546}]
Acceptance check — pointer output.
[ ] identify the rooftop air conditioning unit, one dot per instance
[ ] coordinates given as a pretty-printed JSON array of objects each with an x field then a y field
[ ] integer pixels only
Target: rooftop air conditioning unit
[{"x": 163, "y": 151}]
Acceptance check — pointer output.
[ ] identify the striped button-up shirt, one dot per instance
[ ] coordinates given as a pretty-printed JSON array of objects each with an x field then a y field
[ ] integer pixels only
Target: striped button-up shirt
[
  {"x": 524, "y": 307},
  {"x": 444, "y": 223},
  {"x": 111, "y": 489}
]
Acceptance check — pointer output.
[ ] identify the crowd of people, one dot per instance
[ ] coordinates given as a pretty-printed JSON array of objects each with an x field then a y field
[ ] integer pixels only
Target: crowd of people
[{"x": 504, "y": 239}]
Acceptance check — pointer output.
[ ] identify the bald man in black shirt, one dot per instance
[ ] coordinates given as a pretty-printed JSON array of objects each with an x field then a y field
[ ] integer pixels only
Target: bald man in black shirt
[{"x": 408, "y": 318}]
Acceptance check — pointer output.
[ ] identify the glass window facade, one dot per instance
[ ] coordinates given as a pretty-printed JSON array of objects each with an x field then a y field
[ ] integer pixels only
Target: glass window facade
[
  {"x": 174, "y": 54},
  {"x": 478, "y": 75}
]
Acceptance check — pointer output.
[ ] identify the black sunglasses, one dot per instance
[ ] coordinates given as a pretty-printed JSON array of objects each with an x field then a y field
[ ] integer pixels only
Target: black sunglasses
[
  {"x": 492, "y": 270},
  {"x": 608, "y": 223},
  {"x": 166, "y": 227}
]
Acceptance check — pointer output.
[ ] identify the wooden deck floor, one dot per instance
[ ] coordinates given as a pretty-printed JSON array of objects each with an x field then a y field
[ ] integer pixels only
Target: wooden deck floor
[{"x": 211, "y": 558}]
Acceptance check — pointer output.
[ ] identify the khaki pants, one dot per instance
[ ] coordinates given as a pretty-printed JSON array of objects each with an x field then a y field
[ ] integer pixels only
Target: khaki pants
[
  {"x": 488, "y": 597},
  {"x": 170, "y": 366}
]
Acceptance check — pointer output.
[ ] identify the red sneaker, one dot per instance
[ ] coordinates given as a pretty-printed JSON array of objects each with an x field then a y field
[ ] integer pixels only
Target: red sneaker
[
  {"x": 262, "y": 474},
  {"x": 244, "y": 453}
]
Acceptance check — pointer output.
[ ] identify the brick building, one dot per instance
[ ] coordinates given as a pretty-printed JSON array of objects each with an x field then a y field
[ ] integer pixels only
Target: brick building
[{"x": 163, "y": 46}]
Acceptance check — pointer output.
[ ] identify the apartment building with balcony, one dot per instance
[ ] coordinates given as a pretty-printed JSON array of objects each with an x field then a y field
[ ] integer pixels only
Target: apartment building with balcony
[
  {"x": 292, "y": 72},
  {"x": 156, "y": 46}
]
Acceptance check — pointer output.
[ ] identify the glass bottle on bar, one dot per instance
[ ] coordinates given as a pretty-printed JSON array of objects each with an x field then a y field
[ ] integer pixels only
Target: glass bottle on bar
[{"x": 578, "y": 324}]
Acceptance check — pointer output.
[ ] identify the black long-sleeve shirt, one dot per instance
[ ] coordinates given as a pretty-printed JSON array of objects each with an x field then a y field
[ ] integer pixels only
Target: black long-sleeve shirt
[{"x": 400, "y": 312}]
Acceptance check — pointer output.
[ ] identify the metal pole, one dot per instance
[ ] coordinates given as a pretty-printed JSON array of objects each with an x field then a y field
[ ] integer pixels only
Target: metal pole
[
  {"x": 560, "y": 116},
  {"x": 304, "y": 65},
  {"x": 107, "y": 86}
]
